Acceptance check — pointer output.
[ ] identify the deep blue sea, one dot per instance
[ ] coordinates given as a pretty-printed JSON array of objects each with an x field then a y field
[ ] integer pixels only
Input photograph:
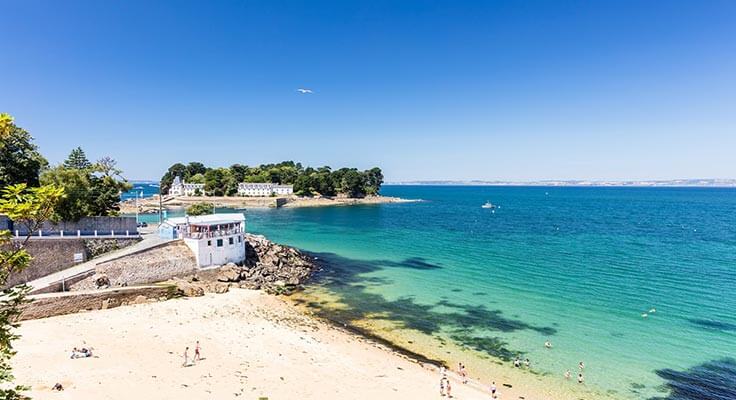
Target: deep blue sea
[{"x": 639, "y": 283}]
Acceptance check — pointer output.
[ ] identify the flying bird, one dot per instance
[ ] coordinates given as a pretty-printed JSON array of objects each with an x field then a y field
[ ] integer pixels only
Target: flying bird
[{"x": 304, "y": 91}]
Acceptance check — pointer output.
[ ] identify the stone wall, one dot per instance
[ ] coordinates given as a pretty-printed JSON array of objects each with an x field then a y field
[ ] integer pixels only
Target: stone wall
[
  {"x": 152, "y": 265},
  {"x": 56, "y": 254},
  {"x": 49, "y": 305},
  {"x": 86, "y": 226}
]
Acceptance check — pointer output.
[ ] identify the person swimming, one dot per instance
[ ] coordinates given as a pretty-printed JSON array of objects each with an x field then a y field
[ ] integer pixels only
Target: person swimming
[
  {"x": 580, "y": 378},
  {"x": 581, "y": 365},
  {"x": 527, "y": 363},
  {"x": 548, "y": 344},
  {"x": 567, "y": 374}
]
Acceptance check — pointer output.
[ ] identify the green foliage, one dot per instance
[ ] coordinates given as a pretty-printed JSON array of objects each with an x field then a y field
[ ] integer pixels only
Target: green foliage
[
  {"x": 20, "y": 161},
  {"x": 30, "y": 207},
  {"x": 77, "y": 159},
  {"x": 91, "y": 190},
  {"x": 307, "y": 181},
  {"x": 200, "y": 209}
]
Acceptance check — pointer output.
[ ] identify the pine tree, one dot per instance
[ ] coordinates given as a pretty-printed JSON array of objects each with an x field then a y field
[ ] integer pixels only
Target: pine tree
[{"x": 77, "y": 160}]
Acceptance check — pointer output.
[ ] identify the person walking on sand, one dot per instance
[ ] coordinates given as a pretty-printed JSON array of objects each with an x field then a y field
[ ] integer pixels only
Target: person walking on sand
[
  {"x": 442, "y": 386},
  {"x": 517, "y": 362},
  {"x": 449, "y": 389},
  {"x": 186, "y": 357},
  {"x": 493, "y": 389},
  {"x": 197, "y": 354},
  {"x": 463, "y": 373}
]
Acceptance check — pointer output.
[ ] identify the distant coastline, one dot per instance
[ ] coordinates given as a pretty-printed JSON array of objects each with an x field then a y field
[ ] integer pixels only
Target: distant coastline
[{"x": 725, "y": 183}]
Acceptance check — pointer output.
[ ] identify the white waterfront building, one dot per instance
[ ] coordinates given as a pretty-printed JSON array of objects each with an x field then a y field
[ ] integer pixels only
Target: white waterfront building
[
  {"x": 181, "y": 188},
  {"x": 215, "y": 239},
  {"x": 264, "y": 189}
]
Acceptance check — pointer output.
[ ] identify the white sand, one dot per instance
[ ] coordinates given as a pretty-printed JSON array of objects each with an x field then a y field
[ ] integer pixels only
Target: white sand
[{"x": 254, "y": 346}]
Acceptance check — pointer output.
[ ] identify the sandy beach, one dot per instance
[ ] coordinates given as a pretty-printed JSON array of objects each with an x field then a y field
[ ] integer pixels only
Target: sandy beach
[{"x": 253, "y": 346}]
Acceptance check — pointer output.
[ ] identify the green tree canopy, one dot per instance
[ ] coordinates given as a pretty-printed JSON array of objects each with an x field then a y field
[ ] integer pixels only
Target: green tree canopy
[
  {"x": 200, "y": 209},
  {"x": 20, "y": 161},
  {"x": 91, "y": 189},
  {"x": 307, "y": 181},
  {"x": 77, "y": 159}
]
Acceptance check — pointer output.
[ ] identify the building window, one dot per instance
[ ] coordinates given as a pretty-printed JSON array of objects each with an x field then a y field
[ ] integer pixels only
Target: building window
[
  {"x": 219, "y": 242},
  {"x": 209, "y": 243},
  {"x": 240, "y": 239},
  {"x": 231, "y": 240}
]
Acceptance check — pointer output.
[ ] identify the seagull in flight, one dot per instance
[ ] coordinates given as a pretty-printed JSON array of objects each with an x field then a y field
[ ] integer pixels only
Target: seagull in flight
[{"x": 304, "y": 91}]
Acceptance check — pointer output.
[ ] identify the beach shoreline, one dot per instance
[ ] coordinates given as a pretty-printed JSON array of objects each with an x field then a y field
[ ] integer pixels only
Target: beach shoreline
[
  {"x": 150, "y": 205},
  {"x": 241, "y": 333}
]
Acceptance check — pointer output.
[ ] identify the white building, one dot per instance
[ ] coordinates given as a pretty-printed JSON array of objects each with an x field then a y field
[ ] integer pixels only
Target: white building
[
  {"x": 181, "y": 188},
  {"x": 215, "y": 239},
  {"x": 264, "y": 189}
]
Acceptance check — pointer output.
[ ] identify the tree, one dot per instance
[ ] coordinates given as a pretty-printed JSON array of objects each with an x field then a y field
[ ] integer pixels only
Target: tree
[
  {"x": 198, "y": 178},
  {"x": 76, "y": 184},
  {"x": 175, "y": 170},
  {"x": 20, "y": 161},
  {"x": 200, "y": 209},
  {"x": 373, "y": 180},
  {"x": 90, "y": 191},
  {"x": 352, "y": 183},
  {"x": 194, "y": 168},
  {"x": 77, "y": 159},
  {"x": 29, "y": 206}
]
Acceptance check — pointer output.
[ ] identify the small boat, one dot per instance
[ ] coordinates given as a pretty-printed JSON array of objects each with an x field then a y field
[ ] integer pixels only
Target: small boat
[{"x": 488, "y": 205}]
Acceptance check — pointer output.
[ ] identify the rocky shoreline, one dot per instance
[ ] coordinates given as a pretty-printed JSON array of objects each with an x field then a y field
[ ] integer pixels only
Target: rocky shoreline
[
  {"x": 150, "y": 205},
  {"x": 270, "y": 267}
]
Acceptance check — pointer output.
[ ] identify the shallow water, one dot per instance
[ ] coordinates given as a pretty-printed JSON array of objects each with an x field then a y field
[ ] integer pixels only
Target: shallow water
[{"x": 575, "y": 266}]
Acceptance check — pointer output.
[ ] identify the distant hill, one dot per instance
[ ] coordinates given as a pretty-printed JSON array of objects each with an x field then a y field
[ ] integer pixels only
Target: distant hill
[{"x": 633, "y": 183}]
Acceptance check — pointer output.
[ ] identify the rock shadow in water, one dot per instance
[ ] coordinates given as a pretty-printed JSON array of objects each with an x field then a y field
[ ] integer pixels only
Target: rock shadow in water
[
  {"x": 713, "y": 380},
  {"x": 343, "y": 277},
  {"x": 713, "y": 325}
]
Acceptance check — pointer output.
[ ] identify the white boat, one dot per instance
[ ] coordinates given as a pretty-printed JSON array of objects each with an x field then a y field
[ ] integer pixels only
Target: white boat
[{"x": 488, "y": 205}]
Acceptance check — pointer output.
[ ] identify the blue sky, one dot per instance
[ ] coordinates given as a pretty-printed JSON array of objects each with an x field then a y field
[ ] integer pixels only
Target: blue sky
[{"x": 517, "y": 90}]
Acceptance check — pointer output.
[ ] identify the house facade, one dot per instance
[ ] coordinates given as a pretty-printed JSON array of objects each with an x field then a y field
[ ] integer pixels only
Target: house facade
[
  {"x": 264, "y": 189},
  {"x": 181, "y": 188},
  {"x": 215, "y": 239}
]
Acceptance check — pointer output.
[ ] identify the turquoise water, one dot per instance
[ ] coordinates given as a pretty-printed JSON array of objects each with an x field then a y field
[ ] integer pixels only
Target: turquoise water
[{"x": 576, "y": 266}]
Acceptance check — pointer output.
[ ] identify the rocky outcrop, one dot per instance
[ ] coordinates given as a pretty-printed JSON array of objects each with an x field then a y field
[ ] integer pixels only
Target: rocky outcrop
[
  {"x": 268, "y": 266},
  {"x": 273, "y": 267}
]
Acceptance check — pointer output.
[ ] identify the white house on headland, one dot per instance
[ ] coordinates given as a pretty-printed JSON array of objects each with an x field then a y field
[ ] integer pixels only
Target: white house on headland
[
  {"x": 264, "y": 189},
  {"x": 181, "y": 188},
  {"x": 215, "y": 239}
]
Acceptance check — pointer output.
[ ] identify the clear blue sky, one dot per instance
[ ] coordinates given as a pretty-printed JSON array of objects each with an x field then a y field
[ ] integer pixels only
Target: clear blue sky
[{"x": 516, "y": 90}]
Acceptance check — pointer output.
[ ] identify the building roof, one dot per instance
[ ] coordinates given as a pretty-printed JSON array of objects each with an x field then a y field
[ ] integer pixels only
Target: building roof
[{"x": 211, "y": 219}]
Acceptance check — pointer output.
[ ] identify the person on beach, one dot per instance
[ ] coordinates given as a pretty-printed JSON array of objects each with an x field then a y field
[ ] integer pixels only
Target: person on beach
[
  {"x": 493, "y": 390},
  {"x": 581, "y": 365},
  {"x": 449, "y": 389},
  {"x": 517, "y": 362},
  {"x": 186, "y": 357},
  {"x": 527, "y": 363},
  {"x": 197, "y": 354},
  {"x": 567, "y": 374},
  {"x": 442, "y": 386},
  {"x": 462, "y": 372},
  {"x": 580, "y": 377}
]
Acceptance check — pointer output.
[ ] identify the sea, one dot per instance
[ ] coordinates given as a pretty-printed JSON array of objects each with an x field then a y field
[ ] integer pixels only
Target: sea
[{"x": 637, "y": 283}]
